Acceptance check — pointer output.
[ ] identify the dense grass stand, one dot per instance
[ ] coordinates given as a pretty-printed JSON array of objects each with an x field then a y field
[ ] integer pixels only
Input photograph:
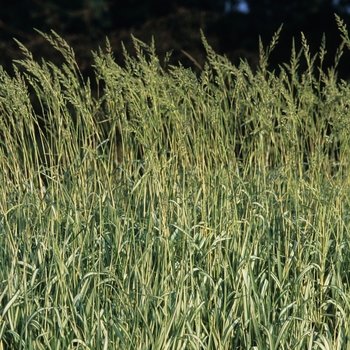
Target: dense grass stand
[{"x": 165, "y": 210}]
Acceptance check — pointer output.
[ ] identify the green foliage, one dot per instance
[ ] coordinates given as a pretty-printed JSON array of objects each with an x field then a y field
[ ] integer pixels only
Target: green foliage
[{"x": 172, "y": 211}]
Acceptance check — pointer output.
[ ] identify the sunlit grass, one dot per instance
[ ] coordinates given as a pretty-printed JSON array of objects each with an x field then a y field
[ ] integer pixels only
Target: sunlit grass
[{"x": 170, "y": 211}]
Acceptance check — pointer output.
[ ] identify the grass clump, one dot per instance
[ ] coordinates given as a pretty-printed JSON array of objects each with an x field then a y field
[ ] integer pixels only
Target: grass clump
[{"x": 170, "y": 211}]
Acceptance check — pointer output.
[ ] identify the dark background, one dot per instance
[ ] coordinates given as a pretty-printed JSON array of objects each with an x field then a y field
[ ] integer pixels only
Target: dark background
[{"x": 230, "y": 27}]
